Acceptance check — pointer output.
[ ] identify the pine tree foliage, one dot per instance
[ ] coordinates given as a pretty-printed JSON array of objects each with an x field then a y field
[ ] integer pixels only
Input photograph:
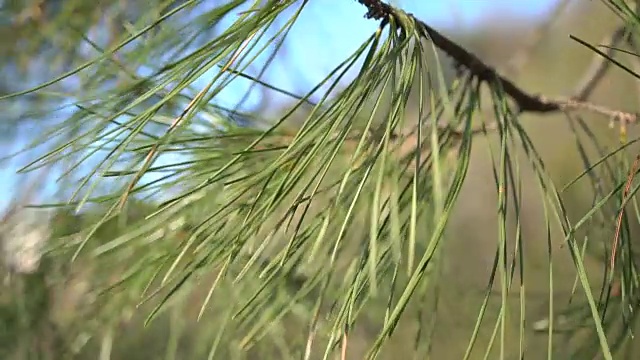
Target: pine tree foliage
[{"x": 289, "y": 236}]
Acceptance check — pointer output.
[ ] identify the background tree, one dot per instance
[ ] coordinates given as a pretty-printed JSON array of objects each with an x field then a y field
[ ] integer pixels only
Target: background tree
[{"x": 325, "y": 228}]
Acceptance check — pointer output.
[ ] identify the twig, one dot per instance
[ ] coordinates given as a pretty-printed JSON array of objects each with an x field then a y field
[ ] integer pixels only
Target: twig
[
  {"x": 343, "y": 351},
  {"x": 599, "y": 66},
  {"x": 519, "y": 60},
  {"x": 625, "y": 199},
  {"x": 525, "y": 101}
]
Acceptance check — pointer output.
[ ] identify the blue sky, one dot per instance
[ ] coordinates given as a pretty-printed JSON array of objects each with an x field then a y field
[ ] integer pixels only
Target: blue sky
[{"x": 329, "y": 30}]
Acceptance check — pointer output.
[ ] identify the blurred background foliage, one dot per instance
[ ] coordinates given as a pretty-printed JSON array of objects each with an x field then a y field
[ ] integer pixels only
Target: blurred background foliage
[{"x": 92, "y": 307}]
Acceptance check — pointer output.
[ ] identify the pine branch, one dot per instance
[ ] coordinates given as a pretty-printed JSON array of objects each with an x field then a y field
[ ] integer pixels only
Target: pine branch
[{"x": 525, "y": 101}]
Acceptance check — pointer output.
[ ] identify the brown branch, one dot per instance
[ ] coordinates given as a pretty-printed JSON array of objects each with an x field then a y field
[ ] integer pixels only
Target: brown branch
[{"x": 526, "y": 102}]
